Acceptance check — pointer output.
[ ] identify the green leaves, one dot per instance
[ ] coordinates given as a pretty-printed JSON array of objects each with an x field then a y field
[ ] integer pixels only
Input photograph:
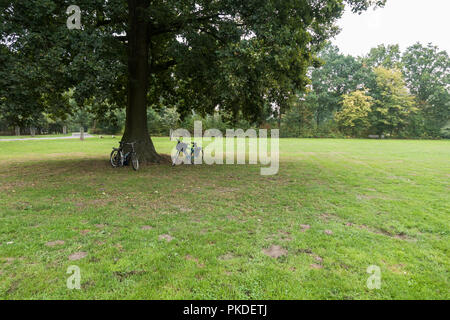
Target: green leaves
[
  {"x": 427, "y": 73},
  {"x": 353, "y": 117},
  {"x": 393, "y": 103},
  {"x": 235, "y": 56},
  {"x": 384, "y": 56}
]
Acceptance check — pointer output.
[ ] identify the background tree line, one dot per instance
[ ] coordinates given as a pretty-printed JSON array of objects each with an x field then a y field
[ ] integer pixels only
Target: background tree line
[
  {"x": 382, "y": 93},
  {"x": 385, "y": 93}
]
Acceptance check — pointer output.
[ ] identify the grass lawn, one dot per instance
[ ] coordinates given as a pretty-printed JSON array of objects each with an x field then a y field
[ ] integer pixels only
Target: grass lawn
[{"x": 335, "y": 208}]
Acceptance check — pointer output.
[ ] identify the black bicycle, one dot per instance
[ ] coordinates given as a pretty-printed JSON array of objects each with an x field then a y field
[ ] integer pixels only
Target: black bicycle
[{"x": 119, "y": 158}]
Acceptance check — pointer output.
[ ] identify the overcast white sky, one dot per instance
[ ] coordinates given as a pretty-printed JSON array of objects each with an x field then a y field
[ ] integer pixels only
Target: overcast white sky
[{"x": 403, "y": 22}]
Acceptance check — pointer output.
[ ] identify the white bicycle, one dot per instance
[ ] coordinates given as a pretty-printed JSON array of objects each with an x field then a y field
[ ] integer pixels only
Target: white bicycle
[{"x": 186, "y": 154}]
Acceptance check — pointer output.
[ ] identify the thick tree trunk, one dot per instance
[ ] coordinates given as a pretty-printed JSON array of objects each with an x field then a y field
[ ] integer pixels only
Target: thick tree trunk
[{"x": 138, "y": 53}]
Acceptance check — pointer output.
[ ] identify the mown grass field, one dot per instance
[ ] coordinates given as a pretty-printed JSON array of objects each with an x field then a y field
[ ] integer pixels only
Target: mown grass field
[{"x": 335, "y": 208}]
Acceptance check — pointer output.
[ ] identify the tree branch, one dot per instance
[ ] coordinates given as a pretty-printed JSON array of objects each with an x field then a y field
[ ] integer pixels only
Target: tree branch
[
  {"x": 178, "y": 25},
  {"x": 212, "y": 34},
  {"x": 121, "y": 38},
  {"x": 160, "y": 67},
  {"x": 101, "y": 23}
]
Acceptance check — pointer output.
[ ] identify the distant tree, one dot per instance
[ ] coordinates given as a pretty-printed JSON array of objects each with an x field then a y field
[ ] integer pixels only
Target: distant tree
[
  {"x": 297, "y": 119},
  {"x": 427, "y": 74},
  {"x": 112, "y": 123},
  {"x": 384, "y": 56},
  {"x": 338, "y": 75},
  {"x": 393, "y": 104},
  {"x": 445, "y": 131},
  {"x": 353, "y": 119},
  {"x": 80, "y": 118}
]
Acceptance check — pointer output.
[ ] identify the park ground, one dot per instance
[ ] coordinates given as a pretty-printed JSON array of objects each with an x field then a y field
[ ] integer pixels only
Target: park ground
[{"x": 226, "y": 232}]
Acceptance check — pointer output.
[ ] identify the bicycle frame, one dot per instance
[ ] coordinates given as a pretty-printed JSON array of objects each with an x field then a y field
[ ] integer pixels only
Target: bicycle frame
[
  {"x": 124, "y": 157},
  {"x": 183, "y": 148},
  {"x": 130, "y": 152}
]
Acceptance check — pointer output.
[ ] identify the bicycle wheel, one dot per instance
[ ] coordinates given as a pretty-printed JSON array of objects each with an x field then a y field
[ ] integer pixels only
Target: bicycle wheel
[
  {"x": 174, "y": 162},
  {"x": 115, "y": 159},
  {"x": 135, "y": 161}
]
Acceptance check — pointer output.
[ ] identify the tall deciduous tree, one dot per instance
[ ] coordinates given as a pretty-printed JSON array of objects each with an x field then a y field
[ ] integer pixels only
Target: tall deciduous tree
[
  {"x": 338, "y": 75},
  {"x": 353, "y": 118},
  {"x": 393, "y": 103},
  {"x": 387, "y": 56},
  {"x": 205, "y": 55},
  {"x": 427, "y": 74}
]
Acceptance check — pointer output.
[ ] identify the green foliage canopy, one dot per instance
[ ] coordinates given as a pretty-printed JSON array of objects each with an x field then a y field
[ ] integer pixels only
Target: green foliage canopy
[
  {"x": 353, "y": 117},
  {"x": 203, "y": 55},
  {"x": 393, "y": 103}
]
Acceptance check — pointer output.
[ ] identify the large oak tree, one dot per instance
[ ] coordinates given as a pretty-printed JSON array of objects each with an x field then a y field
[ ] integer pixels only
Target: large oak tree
[{"x": 207, "y": 55}]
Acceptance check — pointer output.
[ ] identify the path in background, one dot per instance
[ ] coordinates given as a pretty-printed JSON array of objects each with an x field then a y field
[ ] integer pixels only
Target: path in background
[{"x": 50, "y": 138}]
